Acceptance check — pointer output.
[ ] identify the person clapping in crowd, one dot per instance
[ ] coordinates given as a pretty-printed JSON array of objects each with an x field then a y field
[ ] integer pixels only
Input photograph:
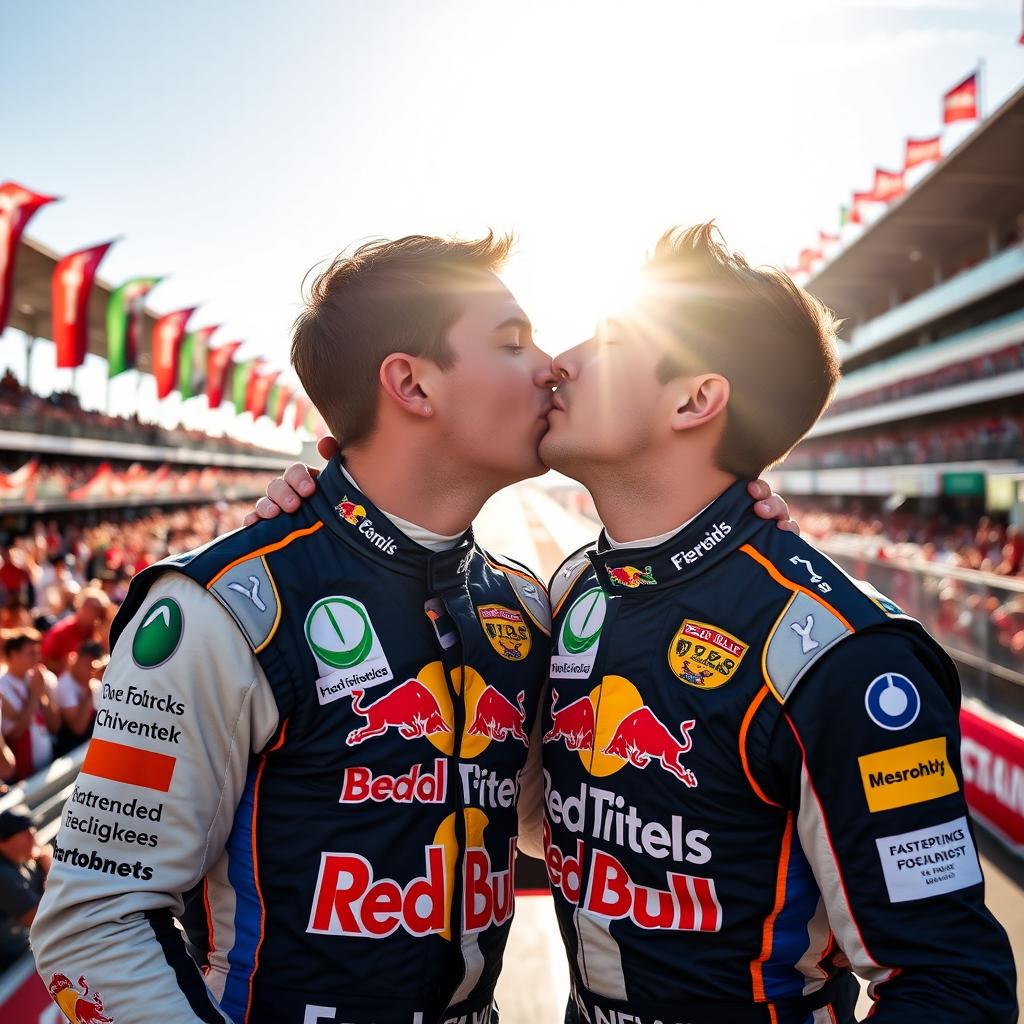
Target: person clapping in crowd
[{"x": 31, "y": 717}]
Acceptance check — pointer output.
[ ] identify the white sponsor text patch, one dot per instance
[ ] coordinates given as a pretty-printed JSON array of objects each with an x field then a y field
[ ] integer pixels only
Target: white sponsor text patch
[{"x": 929, "y": 861}]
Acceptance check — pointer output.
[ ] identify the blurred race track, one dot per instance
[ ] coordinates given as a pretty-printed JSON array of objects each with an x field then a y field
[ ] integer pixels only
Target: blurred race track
[{"x": 525, "y": 523}]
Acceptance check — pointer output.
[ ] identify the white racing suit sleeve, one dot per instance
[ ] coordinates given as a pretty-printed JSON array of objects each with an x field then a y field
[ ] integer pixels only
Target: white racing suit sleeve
[
  {"x": 185, "y": 706},
  {"x": 531, "y": 798}
]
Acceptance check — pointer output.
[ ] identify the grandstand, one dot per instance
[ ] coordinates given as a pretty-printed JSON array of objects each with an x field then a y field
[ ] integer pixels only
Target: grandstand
[{"x": 914, "y": 478}]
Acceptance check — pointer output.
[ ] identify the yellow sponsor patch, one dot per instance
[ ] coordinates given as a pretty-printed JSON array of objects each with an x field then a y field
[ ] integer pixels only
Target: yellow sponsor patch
[
  {"x": 703, "y": 655},
  {"x": 507, "y": 631},
  {"x": 907, "y": 775}
]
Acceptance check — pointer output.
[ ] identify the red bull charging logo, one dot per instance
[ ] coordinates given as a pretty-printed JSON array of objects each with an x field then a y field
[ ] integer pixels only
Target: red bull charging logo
[
  {"x": 74, "y": 1004},
  {"x": 410, "y": 708},
  {"x": 630, "y": 576},
  {"x": 611, "y": 727},
  {"x": 497, "y": 717}
]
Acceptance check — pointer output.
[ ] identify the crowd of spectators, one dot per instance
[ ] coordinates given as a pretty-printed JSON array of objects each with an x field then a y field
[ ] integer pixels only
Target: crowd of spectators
[
  {"x": 888, "y": 547},
  {"x": 982, "y": 437},
  {"x": 61, "y": 413},
  {"x": 59, "y": 589},
  {"x": 983, "y": 367}
]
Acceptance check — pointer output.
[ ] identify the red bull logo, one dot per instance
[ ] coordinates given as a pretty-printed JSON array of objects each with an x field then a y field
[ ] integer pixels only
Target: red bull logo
[
  {"x": 630, "y": 576},
  {"x": 74, "y": 1005},
  {"x": 410, "y": 708},
  {"x": 497, "y": 717},
  {"x": 641, "y": 737},
  {"x": 350, "y": 511},
  {"x": 573, "y": 724}
]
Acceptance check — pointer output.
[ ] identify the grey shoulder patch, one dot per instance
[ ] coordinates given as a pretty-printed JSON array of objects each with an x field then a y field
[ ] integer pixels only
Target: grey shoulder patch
[
  {"x": 568, "y": 573},
  {"x": 804, "y": 632},
  {"x": 247, "y": 591},
  {"x": 533, "y": 598}
]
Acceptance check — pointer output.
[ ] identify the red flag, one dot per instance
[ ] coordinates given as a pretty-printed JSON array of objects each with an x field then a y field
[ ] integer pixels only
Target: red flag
[
  {"x": 922, "y": 151},
  {"x": 284, "y": 395},
  {"x": 17, "y": 205},
  {"x": 255, "y": 369},
  {"x": 961, "y": 102},
  {"x": 302, "y": 405},
  {"x": 73, "y": 279},
  {"x": 857, "y": 204},
  {"x": 826, "y": 239},
  {"x": 888, "y": 185},
  {"x": 259, "y": 394},
  {"x": 168, "y": 332},
  {"x": 806, "y": 259},
  {"x": 218, "y": 361}
]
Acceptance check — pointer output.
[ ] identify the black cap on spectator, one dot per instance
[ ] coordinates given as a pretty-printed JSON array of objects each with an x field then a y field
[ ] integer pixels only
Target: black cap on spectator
[{"x": 15, "y": 820}]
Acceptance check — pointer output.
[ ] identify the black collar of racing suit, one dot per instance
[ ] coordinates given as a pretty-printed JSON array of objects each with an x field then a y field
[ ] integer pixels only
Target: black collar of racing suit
[
  {"x": 726, "y": 524},
  {"x": 368, "y": 531}
]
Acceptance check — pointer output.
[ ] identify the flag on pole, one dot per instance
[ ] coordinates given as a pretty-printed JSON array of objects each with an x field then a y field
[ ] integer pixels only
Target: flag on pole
[
  {"x": 844, "y": 216},
  {"x": 73, "y": 279},
  {"x": 284, "y": 395},
  {"x": 17, "y": 204},
  {"x": 192, "y": 362},
  {"x": 922, "y": 151},
  {"x": 240, "y": 385},
  {"x": 259, "y": 393},
  {"x": 218, "y": 362},
  {"x": 825, "y": 239},
  {"x": 858, "y": 204},
  {"x": 807, "y": 259},
  {"x": 888, "y": 185},
  {"x": 168, "y": 333},
  {"x": 961, "y": 102},
  {"x": 124, "y": 323},
  {"x": 302, "y": 406}
]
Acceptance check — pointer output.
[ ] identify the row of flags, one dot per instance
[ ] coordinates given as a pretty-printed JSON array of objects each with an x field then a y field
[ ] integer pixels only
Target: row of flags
[
  {"x": 183, "y": 358},
  {"x": 961, "y": 103}
]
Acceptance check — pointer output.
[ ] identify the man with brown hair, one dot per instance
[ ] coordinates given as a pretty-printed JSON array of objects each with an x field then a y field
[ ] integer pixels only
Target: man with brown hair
[{"x": 752, "y": 780}]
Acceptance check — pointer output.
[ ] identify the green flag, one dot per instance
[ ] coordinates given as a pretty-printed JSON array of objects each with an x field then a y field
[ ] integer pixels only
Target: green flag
[
  {"x": 192, "y": 362},
  {"x": 124, "y": 323},
  {"x": 844, "y": 216},
  {"x": 273, "y": 401},
  {"x": 239, "y": 386}
]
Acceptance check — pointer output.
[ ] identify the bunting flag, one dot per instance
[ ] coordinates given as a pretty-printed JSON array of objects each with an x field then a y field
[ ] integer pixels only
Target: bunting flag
[
  {"x": 218, "y": 362},
  {"x": 888, "y": 185},
  {"x": 259, "y": 393},
  {"x": 302, "y": 406},
  {"x": 807, "y": 259},
  {"x": 825, "y": 239},
  {"x": 17, "y": 204},
  {"x": 857, "y": 206},
  {"x": 922, "y": 151},
  {"x": 240, "y": 385},
  {"x": 284, "y": 396},
  {"x": 255, "y": 369},
  {"x": 73, "y": 279},
  {"x": 961, "y": 102},
  {"x": 125, "y": 313},
  {"x": 844, "y": 216},
  {"x": 168, "y": 333},
  {"x": 192, "y": 361}
]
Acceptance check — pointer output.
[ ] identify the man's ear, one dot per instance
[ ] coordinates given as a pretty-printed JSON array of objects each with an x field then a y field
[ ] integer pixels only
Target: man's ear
[
  {"x": 403, "y": 381},
  {"x": 700, "y": 400}
]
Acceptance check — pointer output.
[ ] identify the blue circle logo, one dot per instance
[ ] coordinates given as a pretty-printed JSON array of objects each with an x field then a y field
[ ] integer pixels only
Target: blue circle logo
[{"x": 892, "y": 701}]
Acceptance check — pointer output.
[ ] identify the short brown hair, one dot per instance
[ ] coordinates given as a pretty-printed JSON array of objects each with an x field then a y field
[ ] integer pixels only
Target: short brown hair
[
  {"x": 15, "y": 639},
  {"x": 385, "y": 297},
  {"x": 773, "y": 342}
]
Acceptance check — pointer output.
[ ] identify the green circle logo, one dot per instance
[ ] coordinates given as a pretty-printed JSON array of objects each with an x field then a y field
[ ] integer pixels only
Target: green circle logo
[
  {"x": 158, "y": 636},
  {"x": 583, "y": 622},
  {"x": 338, "y": 632}
]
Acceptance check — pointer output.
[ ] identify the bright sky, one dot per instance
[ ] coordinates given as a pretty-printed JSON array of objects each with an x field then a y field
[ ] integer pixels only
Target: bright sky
[{"x": 236, "y": 145}]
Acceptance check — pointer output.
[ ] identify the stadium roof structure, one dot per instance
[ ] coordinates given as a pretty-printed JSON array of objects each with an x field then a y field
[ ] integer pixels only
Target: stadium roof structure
[
  {"x": 31, "y": 297},
  {"x": 946, "y": 219}
]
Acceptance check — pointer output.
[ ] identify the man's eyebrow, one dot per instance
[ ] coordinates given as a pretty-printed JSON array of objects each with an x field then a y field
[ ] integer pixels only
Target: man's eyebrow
[{"x": 514, "y": 321}]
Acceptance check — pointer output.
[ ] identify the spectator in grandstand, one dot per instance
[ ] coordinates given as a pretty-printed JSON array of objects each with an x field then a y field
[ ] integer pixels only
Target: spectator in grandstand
[
  {"x": 7, "y": 763},
  {"x": 78, "y": 689},
  {"x": 31, "y": 717},
  {"x": 23, "y": 869},
  {"x": 15, "y": 581},
  {"x": 89, "y": 622}
]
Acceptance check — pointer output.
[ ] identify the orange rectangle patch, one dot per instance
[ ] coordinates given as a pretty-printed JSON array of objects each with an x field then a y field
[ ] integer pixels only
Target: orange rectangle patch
[{"x": 121, "y": 763}]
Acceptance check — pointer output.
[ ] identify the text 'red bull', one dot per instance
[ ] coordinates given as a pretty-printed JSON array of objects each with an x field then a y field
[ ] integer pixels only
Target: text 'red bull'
[
  {"x": 688, "y": 904},
  {"x": 349, "y": 901}
]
